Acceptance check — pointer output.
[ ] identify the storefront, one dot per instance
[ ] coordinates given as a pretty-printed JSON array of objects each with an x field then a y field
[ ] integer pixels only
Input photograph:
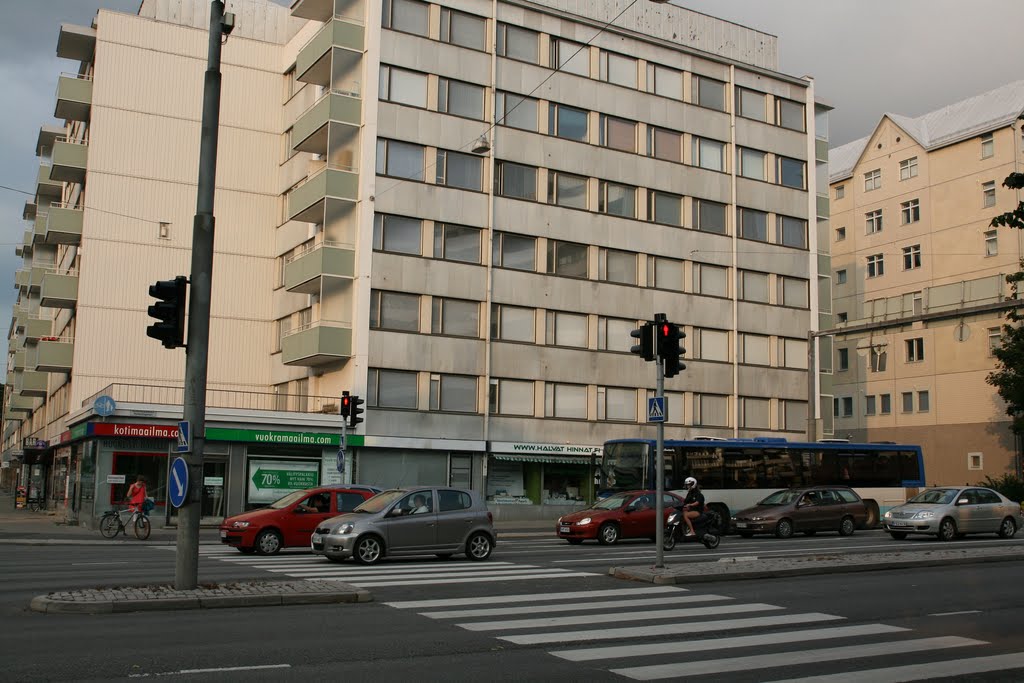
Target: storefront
[{"x": 540, "y": 481}]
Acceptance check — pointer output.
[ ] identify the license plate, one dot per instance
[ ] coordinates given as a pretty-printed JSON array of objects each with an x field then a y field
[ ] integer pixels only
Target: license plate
[
  {"x": 223, "y": 534},
  {"x": 316, "y": 538},
  {"x": 898, "y": 524},
  {"x": 741, "y": 525},
  {"x": 564, "y": 529}
]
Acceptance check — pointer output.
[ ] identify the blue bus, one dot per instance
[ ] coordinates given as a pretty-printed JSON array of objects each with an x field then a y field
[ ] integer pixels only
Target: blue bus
[{"x": 737, "y": 473}]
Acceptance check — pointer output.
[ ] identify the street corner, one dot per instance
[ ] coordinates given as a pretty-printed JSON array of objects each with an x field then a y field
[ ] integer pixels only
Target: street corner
[{"x": 644, "y": 574}]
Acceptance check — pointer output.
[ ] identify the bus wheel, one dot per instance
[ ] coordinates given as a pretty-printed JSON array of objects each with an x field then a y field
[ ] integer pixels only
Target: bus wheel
[{"x": 873, "y": 516}]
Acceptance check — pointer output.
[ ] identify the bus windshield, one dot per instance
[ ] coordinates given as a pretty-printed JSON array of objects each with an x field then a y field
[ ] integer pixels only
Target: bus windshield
[{"x": 622, "y": 465}]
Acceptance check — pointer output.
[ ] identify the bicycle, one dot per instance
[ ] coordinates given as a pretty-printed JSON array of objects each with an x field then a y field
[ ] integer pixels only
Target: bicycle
[{"x": 112, "y": 523}]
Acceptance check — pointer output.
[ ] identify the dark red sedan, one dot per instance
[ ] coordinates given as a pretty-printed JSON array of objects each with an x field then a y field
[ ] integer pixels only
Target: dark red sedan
[{"x": 629, "y": 514}]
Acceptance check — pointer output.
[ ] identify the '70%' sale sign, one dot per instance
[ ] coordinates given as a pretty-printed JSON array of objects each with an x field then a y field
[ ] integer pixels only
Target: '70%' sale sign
[{"x": 270, "y": 479}]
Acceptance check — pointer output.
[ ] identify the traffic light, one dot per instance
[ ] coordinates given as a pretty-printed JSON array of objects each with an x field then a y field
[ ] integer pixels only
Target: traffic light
[
  {"x": 354, "y": 412},
  {"x": 346, "y": 406},
  {"x": 645, "y": 349},
  {"x": 169, "y": 310},
  {"x": 670, "y": 336}
]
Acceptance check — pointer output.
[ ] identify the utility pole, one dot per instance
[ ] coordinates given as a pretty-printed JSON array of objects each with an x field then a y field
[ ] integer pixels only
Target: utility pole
[
  {"x": 186, "y": 568},
  {"x": 659, "y": 464}
]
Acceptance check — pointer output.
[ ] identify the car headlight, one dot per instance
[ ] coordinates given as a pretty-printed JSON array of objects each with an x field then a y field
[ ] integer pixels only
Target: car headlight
[
  {"x": 585, "y": 520},
  {"x": 758, "y": 519},
  {"x": 343, "y": 529},
  {"x": 924, "y": 514},
  {"x": 240, "y": 525},
  {"x": 888, "y": 514}
]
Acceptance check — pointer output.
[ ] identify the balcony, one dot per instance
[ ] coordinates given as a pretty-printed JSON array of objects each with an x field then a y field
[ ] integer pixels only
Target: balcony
[
  {"x": 21, "y": 404},
  {"x": 45, "y": 185},
  {"x": 20, "y": 360},
  {"x": 52, "y": 356},
  {"x": 306, "y": 202},
  {"x": 37, "y": 272},
  {"x": 58, "y": 290},
  {"x": 313, "y": 63},
  {"x": 39, "y": 228},
  {"x": 63, "y": 225},
  {"x": 20, "y": 319},
  {"x": 304, "y": 272},
  {"x": 69, "y": 161},
  {"x": 76, "y": 42},
  {"x": 316, "y": 344},
  {"x": 21, "y": 278},
  {"x": 28, "y": 241},
  {"x": 310, "y": 131},
  {"x": 30, "y": 383},
  {"x": 74, "y": 98},
  {"x": 35, "y": 327},
  {"x": 29, "y": 212}
]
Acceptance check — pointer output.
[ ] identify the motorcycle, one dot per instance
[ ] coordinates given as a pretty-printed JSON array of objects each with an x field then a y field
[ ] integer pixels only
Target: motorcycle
[{"x": 707, "y": 529}]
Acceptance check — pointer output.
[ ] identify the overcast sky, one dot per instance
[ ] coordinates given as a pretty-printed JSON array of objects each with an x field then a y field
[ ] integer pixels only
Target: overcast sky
[{"x": 867, "y": 57}]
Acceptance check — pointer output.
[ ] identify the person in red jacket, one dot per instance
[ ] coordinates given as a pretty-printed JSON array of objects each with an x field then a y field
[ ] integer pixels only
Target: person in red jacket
[{"x": 136, "y": 495}]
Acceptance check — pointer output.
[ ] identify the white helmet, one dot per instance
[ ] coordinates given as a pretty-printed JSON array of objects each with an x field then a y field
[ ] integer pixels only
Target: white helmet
[{"x": 690, "y": 482}]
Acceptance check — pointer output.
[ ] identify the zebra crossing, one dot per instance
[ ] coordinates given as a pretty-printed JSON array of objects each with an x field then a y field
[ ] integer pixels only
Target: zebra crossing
[
  {"x": 613, "y": 628},
  {"x": 303, "y": 565}
]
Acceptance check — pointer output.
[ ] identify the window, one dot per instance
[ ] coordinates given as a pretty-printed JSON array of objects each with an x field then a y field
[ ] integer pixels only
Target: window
[
  {"x": 453, "y": 393},
  {"x": 840, "y": 191},
  {"x": 616, "y": 404},
  {"x": 793, "y": 292},
  {"x": 399, "y": 159},
  {"x": 710, "y": 93},
  {"x": 885, "y": 401},
  {"x": 517, "y": 43},
  {"x": 754, "y": 413},
  {"x": 463, "y": 29},
  {"x": 869, "y": 405},
  {"x": 995, "y": 339},
  {"x": 912, "y": 257},
  {"x": 511, "y": 397},
  {"x": 455, "y": 317},
  {"x": 512, "y": 323},
  {"x": 843, "y": 406},
  {"x": 618, "y": 134},
  {"x": 617, "y": 266},
  {"x": 403, "y": 87},
  {"x": 754, "y": 349},
  {"x": 790, "y": 172},
  {"x": 753, "y": 286},
  {"x": 711, "y": 410},
  {"x": 514, "y": 251},
  {"x": 567, "y": 122},
  {"x": 665, "y": 208},
  {"x": 665, "y": 273},
  {"x": 516, "y": 181},
  {"x": 842, "y": 317},
  {"x": 710, "y": 280},
  {"x": 751, "y": 163},
  {"x": 394, "y": 311},
  {"x": 923, "y": 401},
  {"x": 873, "y": 180},
  {"x": 568, "y": 190},
  {"x": 451, "y": 501},
  {"x": 613, "y": 334},
  {"x": 618, "y": 69},
  {"x": 908, "y": 168},
  {"x": 794, "y": 415},
  {"x": 565, "y": 401},
  {"x": 753, "y": 224},
  {"x": 456, "y": 243},
  {"x": 791, "y": 232},
  {"x": 664, "y": 81},
  {"x": 975, "y": 461},
  {"x": 907, "y": 398},
  {"x": 455, "y": 169},
  {"x": 409, "y": 16},
  {"x": 991, "y": 243},
  {"x": 664, "y": 144},
  {"x": 573, "y": 58},
  {"x": 988, "y": 194},
  {"x": 841, "y": 276},
  {"x": 709, "y": 154},
  {"x": 915, "y": 349},
  {"x": 460, "y": 99},
  {"x": 709, "y": 216},
  {"x": 791, "y": 114},
  {"x": 751, "y": 104},
  {"x": 910, "y": 211},
  {"x": 567, "y": 258},
  {"x": 284, "y": 327},
  {"x": 987, "y": 146},
  {"x": 840, "y": 234},
  {"x": 711, "y": 345},
  {"x": 844, "y": 359},
  {"x": 516, "y": 111},
  {"x": 878, "y": 357},
  {"x": 873, "y": 221},
  {"x": 397, "y": 234},
  {"x": 876, "y": 265},
  {"x": 616, "y": 199},
  {"x": 390, "y": 389}
]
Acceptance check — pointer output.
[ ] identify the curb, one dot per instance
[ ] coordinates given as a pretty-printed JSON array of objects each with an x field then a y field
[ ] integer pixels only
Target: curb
[{"x": 50, "y": 606}]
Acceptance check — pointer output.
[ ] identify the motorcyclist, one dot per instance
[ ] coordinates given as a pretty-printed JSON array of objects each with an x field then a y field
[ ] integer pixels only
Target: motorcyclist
[{"x": 693, "y": 504}]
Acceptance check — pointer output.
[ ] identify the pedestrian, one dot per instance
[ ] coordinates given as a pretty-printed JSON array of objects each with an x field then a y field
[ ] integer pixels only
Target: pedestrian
[{"x": 136, "y": 495}]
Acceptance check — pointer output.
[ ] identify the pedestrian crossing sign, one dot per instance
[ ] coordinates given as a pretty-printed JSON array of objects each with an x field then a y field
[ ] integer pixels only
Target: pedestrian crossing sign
[{"x": 656, "y": 409}]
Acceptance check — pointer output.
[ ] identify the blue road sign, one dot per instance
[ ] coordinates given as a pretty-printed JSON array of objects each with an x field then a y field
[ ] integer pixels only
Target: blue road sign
[
  {"x": 656, "y": 409},
  {"x": 184, "y": 437},
  {"x": 177, "y": 487},
  {"x": 104, "y": 406}
]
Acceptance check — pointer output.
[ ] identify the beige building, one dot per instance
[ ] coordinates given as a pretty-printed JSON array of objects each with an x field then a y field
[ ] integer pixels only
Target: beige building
[{"x": 919, "y": 289}]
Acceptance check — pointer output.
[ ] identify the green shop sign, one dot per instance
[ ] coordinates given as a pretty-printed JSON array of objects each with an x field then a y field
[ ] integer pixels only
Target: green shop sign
[
  {"x": 273, "y": 436},
  {"x": 284, "y": 479}
]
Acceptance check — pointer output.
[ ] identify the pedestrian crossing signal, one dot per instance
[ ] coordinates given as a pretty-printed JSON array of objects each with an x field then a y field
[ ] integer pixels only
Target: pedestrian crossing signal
[{"x": 670, "y": 350}]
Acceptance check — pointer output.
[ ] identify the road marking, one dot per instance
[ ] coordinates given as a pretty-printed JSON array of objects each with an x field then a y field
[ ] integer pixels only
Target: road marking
[
  {"x": 616, "y": 617},
  {"x": 659, "y": 630},
  {"x": 920, "y": 672},
  {"x": 648, "y": 649},
  {"x": 953, "y": 614},
  {"x": 260, "y": 667},
  {"x": 385, "y": 569},
  {"x": 473, "y": 579},
  {"x": 580, "y": 607},
  {"x": 84, "y": 564},
  {"x": 532, "y": 597},
  {"x": 375, "y": 576},
  {"x": 780, "y": 659}
]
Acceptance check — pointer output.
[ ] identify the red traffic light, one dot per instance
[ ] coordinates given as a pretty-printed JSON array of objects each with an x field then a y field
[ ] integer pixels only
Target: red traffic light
[{"x": 664, "y": 329}]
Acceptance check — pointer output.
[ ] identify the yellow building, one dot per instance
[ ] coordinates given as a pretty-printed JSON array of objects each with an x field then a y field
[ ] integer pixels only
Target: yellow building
[{"x": 919, "y": 288}]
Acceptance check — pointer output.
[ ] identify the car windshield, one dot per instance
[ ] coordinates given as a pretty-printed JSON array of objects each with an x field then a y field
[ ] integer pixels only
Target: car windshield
[
  {"x": 782, "y": 498},
  {"x": 293, "y": 497},
  {"x": 613, "y": 502},
  {"x": 936, "y": 497},
  {"x": 380, "y": 501}
]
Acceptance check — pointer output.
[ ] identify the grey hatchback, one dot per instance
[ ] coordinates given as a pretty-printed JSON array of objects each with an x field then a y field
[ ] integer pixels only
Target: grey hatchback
[
  {"x": 955, "y": 511},
  {"x": 409, "y": 521}
]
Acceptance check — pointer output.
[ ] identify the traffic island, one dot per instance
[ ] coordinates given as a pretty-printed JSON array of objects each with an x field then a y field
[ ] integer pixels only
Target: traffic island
[{"x": 206, "y": 596}]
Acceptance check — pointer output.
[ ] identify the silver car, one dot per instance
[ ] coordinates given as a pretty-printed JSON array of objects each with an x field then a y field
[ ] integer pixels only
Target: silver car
[
  {"x": 410, "y": 521},
  {"x": 955, "y": 511}
]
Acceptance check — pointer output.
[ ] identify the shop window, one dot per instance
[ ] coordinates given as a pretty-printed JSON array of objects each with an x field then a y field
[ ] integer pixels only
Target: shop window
[
  {"x": 564, "y": 484},
  {"x": 505, "y": 481},
  {"x": 152, "y": 466}
]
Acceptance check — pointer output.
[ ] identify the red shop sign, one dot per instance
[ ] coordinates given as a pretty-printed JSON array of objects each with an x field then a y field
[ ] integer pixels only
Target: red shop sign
[{"x": 133, "y": 430}]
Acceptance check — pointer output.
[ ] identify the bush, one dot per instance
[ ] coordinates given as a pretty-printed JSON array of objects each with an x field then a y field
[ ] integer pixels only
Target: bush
[{"x": 1009, "y": 485}]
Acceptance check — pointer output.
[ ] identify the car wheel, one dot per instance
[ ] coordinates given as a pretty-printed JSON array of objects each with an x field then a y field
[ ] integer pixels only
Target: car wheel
[
  {"x": 847, "y": 527},
  {"x": 246, "y": 551},
  {"x": 1008, "y": 528},
  {"x": 574, "y": 541},
  {"x": 898, "y": 535},
  {"x": 608, "y": 534},
  {"x": 784, "y": 529},
  {"x": 947, "y": 530},
  {"x": 746, "y": 534},
  {"x": 368, "y": 550},
  {"x": 268, "y": 542},
  {"x": 810, "y": 532},
  {"x": 479, "y": 546}
]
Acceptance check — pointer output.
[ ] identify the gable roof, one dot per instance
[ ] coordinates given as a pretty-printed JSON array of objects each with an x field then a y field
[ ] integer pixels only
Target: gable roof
[{"x": 948, "y": 125}]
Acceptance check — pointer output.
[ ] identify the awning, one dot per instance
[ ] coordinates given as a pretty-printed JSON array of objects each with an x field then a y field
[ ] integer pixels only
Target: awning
[{"x": 541, "y": 457}]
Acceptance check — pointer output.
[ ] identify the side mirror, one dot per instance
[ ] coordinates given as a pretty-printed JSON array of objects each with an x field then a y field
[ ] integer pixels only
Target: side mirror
[
  {"x": 395, "y": 512},
  {"x": 630, "y": 508}
]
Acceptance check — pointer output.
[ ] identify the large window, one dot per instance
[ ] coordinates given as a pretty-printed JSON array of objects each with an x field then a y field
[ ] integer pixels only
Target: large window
[
  {"x": 873, "y": 221},
  {"x": 709, "y": 154},
  {"x": 453, "y": 393},
  {"x": 567, "y": 401},
  {"x": 394, "y": 311},
  {"x": 516, "y": 181},
  {"x": 618, "y": 134},
  {"x": 661, "y": 80},
  {"x": 753, "y": 224},
  {"x": 569, "y": 190},
  {"x": 792, "y": 232},
  {"x": 710, "y": 410},
  {"x": 613, "y": 334},
  {"x": 793, "y": 353},
  {"x": 753, "y": 286},
  {"x": 710, "y": 280},
  {"x": 910, "y": 211},
  {"x": 399, "y": 159},
  {"x": 455, "y": 169},
  {"x": 618, "y": 69},
  {"x": 791, "y": 115},
  {"x": 511, "y": 397},
  {"x": 567, "y": 122},
  {"x": 752, "y": 163},
  {"x": 567, "y": 258},
  {"x": 456, "y": 317},
  {"x": 711, "y": 345},
  {"x": 456, "y": 243},
  {"x": 403, "y": 87},
  {"x": 793, "y": 415},
  {"x": 616, "y": 404},
  {"x": 664, "y": 144},
  {"x": 397, "y": 234},
  {"x": 754, "y": 349},
  {"x": 570, "y": 57},
  {"x": 390, "y": 389},
  {"x": 666, "y": 208},
  {"x": 467, "y": 30},
  {"x": 616, "y": 199},
  {"x": 409, "y": 16},
  {"x": 567, "y": 329},
  {"x": 617, "y": 266},
  {"x": 754, "y": 413},
  {"x": 513, "y": 323},
  {"x": 791, "y": 173},
  {"x": 460, "y": 99},
  {"x": 709, "y": 216},
  {"x": 665, "y": 273},
  {"x": 518, "y": 43},
  {"x": 751, "y": 104},
  {"x": 514, "y": 251},
  {"x": 793, "y": 292},
  {"x": 709, "y": 92},
  {"x": 517, "y": 111}
]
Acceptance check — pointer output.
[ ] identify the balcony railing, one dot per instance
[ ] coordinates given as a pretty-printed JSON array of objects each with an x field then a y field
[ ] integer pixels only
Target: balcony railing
[
  {"x": 74, "y": 97},
  {"x": 70, "y": 159},
  {"x": 218, "y": 398}
]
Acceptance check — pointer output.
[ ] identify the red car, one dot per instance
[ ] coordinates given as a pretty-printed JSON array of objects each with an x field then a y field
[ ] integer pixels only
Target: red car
[
  {"x": 630, "y": 514},
  {"x": 290, "y": 521}
]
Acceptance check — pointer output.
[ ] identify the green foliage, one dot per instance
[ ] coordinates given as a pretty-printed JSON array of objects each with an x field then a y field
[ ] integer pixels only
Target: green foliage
[
  {"x": 1015, "y": 218},
  {"x": 1009, "y": 485}
]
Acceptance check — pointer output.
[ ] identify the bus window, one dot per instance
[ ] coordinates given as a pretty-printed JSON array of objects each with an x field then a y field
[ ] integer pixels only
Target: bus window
[
  {"x": 622, "y": 465},
  {"x": 780, "y": 470},
  {"x": 742, "y": 469},
  {"x": 671, "y": 455},
  {"x": 909, "y": 467},
  {"x": 705, "y": 465}
]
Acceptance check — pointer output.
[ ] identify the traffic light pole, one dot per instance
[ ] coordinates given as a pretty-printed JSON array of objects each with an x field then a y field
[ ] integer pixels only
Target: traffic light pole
[
  {"x": 659, "y": 463},
  {"x": 186, "y": 568}
]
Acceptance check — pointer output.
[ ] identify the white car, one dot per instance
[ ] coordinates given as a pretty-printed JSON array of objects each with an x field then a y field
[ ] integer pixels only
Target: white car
[{"x": 955, "y": 511}]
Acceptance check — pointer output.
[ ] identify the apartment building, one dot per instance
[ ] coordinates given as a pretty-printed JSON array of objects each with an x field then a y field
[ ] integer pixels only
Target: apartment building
[
  {"x": 457, "y": 210},
  {"x": 920, "y": 291}
]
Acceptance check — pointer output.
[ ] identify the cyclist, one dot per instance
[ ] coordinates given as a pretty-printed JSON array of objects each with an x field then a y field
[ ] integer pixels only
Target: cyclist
[
  {"x": 136, "y": 495},
  {"x": 693, "y": 504}
]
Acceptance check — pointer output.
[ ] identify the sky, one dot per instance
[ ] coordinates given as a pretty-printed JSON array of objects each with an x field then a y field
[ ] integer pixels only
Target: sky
[{"x": 867, "y": 57}]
